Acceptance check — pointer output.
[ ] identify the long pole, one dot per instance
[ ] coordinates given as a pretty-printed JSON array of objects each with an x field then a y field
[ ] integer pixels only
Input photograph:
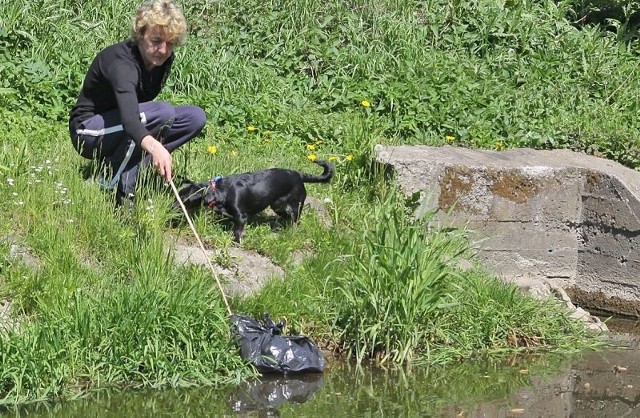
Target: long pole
[{"x": 206, "y": 256}]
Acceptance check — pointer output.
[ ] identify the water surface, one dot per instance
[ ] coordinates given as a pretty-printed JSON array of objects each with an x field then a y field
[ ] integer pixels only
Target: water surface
[{"x": 589, "y": 384}]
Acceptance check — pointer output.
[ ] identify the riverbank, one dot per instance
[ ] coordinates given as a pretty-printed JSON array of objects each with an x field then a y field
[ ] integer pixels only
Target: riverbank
[
  {"x": 107, "y": 307},
  {"x": 584, "y": 383}
]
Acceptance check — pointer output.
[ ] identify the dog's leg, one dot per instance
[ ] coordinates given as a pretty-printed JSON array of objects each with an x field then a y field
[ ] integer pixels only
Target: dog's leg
[
  {"x": 296, "y": 209},
  {"x": 287, "y": 212},
  {"x": 239, "y": 223},
  {"x": 289, "y": 208}
]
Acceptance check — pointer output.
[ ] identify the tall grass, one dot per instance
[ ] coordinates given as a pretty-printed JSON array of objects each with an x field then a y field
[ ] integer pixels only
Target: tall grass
[
  {"x": 105, "y": 306},
  {"x": 154, "y": 332},
  {"x": 490, "y": 317},
  {"x": 395, "y": 282}
]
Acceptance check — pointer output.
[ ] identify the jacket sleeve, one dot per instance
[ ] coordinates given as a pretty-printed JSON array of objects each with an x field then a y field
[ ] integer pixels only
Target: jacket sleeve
[{"x": 123, "y": 77}]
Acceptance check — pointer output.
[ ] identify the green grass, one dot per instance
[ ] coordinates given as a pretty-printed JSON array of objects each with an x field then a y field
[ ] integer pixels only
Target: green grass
[
  {"x": 281, "y": 81},
  {"x": 394, "y": 285}
]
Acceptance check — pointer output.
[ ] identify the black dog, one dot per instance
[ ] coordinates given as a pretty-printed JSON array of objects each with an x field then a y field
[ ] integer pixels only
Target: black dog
[{"x": 241, "y": 195}]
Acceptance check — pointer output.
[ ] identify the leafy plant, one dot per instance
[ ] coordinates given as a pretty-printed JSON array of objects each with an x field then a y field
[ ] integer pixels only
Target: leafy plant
[{"x": 394, "y": 284}]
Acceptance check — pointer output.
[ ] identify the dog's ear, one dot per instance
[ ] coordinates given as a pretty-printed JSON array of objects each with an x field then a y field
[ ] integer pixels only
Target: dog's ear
[{"x": 191, "y": 194}]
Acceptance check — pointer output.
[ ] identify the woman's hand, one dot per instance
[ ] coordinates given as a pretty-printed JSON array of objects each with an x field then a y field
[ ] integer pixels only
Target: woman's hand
[{"x": 161, "y": 158}]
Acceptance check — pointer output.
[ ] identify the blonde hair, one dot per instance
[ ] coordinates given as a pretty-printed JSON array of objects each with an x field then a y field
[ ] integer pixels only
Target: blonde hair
[{"x": 163, "y": 13}]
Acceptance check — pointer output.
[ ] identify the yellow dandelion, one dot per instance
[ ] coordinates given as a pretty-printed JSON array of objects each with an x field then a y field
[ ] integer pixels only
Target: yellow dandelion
[
  {"x": 212, "y": 149},
  {"x": 365, "y": 103},
  {"x": 499, "y": 145},
  {"x": 333, "y": 158},
  {"x": 312, "y": 157},
  {"x": 450, "y": 138},
  {"x": 311, "y": 147},
  {"x": 349, "y": 157},
  {"x": 251, "y": 128}
]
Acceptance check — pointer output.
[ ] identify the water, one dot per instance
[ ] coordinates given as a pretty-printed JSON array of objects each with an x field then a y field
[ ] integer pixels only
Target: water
[{"x": 590, "y": 384}]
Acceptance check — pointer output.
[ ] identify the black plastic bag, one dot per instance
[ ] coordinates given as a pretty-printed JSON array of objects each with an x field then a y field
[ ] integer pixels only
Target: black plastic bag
[{"x": 262, "y": 345}]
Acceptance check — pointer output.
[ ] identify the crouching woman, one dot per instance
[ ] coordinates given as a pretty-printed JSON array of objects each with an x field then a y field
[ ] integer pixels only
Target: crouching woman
[{"x": 116, "y": 120}]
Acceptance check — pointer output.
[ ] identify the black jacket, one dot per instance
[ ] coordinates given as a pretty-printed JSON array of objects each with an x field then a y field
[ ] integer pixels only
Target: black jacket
[{"x": 117, "y": 79}]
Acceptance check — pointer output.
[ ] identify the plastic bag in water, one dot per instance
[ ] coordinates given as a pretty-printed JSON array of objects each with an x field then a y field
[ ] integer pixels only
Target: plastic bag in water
[
  {"x": 268, "y": 392},
  {"x": 263, "y": 345}
]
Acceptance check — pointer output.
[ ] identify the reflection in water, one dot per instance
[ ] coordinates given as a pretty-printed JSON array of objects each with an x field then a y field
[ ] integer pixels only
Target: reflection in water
[
  {"x": 270, "y": 391},
  {"x": 343, "y": 390},
  {"x": 590, "y": 384},
  {"x": 425, "y": 391}
]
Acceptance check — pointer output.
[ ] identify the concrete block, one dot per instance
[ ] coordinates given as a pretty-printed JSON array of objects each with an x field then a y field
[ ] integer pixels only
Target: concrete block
[{"x": 556, "y": 215}]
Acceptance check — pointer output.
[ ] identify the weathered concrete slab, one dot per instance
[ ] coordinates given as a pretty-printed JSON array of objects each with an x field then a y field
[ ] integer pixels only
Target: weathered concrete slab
[{"x": 561, "y": 216}]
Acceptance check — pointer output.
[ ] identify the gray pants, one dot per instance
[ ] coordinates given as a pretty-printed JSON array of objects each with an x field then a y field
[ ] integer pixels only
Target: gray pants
[{"x": 102, "y": 138}]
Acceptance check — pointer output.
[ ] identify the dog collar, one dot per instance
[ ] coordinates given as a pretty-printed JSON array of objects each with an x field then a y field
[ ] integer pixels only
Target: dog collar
[
  {"x": 216, "y": 182},
  {"x": 214, "y": 185}
]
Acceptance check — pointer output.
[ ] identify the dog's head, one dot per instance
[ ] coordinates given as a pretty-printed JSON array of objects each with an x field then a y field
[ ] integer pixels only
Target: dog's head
[
  {"x": 191, "y": 194},
  {"x": 215, "y": 197},
  {"x": 194, "y": 195}
]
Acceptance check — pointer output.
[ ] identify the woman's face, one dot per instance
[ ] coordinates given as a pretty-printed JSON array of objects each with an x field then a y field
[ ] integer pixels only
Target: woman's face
[{"x": 155, "y": 47}]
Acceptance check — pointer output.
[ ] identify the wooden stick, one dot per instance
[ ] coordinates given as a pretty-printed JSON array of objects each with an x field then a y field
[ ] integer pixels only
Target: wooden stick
[{"x": 206, "y": 256}]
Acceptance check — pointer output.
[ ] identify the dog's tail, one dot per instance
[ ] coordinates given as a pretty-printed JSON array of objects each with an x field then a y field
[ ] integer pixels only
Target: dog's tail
[{"x": 325, "y": 177}]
